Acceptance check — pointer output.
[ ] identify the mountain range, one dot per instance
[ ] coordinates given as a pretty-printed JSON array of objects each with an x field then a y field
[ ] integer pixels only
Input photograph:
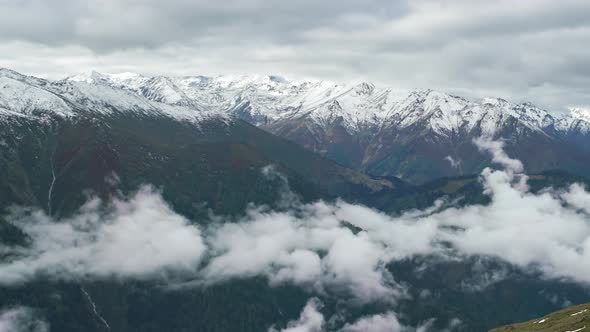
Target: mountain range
[
  {"x": 416, "y": 135},
  {"x": 211, "y": 146},
  {"x": 53, "y": 128}
]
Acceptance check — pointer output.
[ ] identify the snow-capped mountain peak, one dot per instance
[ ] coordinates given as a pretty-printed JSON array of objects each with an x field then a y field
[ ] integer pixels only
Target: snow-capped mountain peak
[
  {"x": 577, "y": 121},
  {"x": 119, "y": 80},
  {"x": 21, "y": 99},
  {"x": 269, "y": 99},
  {"x": 382, "y": 130},
  {"x": 265, "y": 99},
  {"x": 88, "y": 77},
  {"x": 92, "y": 93},
  {"x": 580, "y": 113},
  {"x": 364, "y": 88}
]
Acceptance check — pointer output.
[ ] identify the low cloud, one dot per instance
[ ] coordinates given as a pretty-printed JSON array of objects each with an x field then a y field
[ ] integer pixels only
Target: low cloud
[
  {"x": 454, "y": 163},
  {"x": 21, "y": 319},
  {"x": 499, "y": 156},
  {"x": 577, "y": 197},
  {"x": 386, "y": 322},
  {"x": 333, "y": 248},
  {"x": 310, "y": 319},
  {"x": 134, "y": 238},
  {"x": 307, "y": 246}
]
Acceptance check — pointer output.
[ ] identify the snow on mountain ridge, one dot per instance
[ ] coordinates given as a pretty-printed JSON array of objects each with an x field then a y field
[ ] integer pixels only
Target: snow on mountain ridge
[
  {"x": 580, "y": 113},
  {"x": 577, "y": 121},
  {"x": 21, "y": 98},
  {"x": 264, "y": 99},
  {"x": 33, "y": 98}
]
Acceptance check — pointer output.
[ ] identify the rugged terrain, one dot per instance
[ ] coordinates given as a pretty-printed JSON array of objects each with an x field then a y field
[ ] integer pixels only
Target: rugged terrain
[
  {"x": 62, "y": 142},
  {"x": 417, "y": 135}
]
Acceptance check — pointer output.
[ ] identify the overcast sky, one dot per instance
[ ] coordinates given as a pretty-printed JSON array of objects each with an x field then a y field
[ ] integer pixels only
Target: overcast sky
[{"x": 522, "y": 50}]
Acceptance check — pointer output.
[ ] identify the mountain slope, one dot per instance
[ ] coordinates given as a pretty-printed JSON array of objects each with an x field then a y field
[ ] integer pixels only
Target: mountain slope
[
  {"x": 572, "y": 319},
  {"x": 417, "y": 135},
  {"x": 59, "y": 139}
]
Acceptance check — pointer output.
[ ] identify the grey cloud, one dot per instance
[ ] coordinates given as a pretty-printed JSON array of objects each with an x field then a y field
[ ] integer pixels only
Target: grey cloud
[
  {"x": 524, "y": 51},
  {"x": 107, "y": 25}
]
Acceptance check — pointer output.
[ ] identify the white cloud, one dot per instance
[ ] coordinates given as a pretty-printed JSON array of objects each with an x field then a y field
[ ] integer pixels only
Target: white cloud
[
  {"x": 135, "y": 238},
  {"x": 310, "y": 244},
  {"x": 578, "y": 197},
  {"x": 21, "y": 319},
  {"x": 313, "y": 245},
  {"x": 499, "y": 156},
  {"x": 522, "y": 228},
  {"x": 454, "y": 163},
  {"x": 310, "y": 319},
  {"x": 386, "y": 322},
  {"x": 307, "y": 245}
]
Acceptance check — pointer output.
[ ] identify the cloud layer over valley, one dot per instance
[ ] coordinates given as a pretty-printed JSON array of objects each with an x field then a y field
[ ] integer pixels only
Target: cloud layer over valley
[{"x": 328, "y": 248}]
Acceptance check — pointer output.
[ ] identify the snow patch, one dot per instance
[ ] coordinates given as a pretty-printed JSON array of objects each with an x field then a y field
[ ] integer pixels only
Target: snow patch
[
  {"x": 577, "y": 330},
  {"x": 579, "y": 312}
]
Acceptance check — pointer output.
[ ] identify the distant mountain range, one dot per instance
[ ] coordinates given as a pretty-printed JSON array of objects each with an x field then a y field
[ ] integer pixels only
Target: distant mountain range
[{"x": 417, "y": 135}]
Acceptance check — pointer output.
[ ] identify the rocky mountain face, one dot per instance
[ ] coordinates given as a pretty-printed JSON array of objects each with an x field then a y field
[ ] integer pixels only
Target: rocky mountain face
[{"x": 416, "y": 135}]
